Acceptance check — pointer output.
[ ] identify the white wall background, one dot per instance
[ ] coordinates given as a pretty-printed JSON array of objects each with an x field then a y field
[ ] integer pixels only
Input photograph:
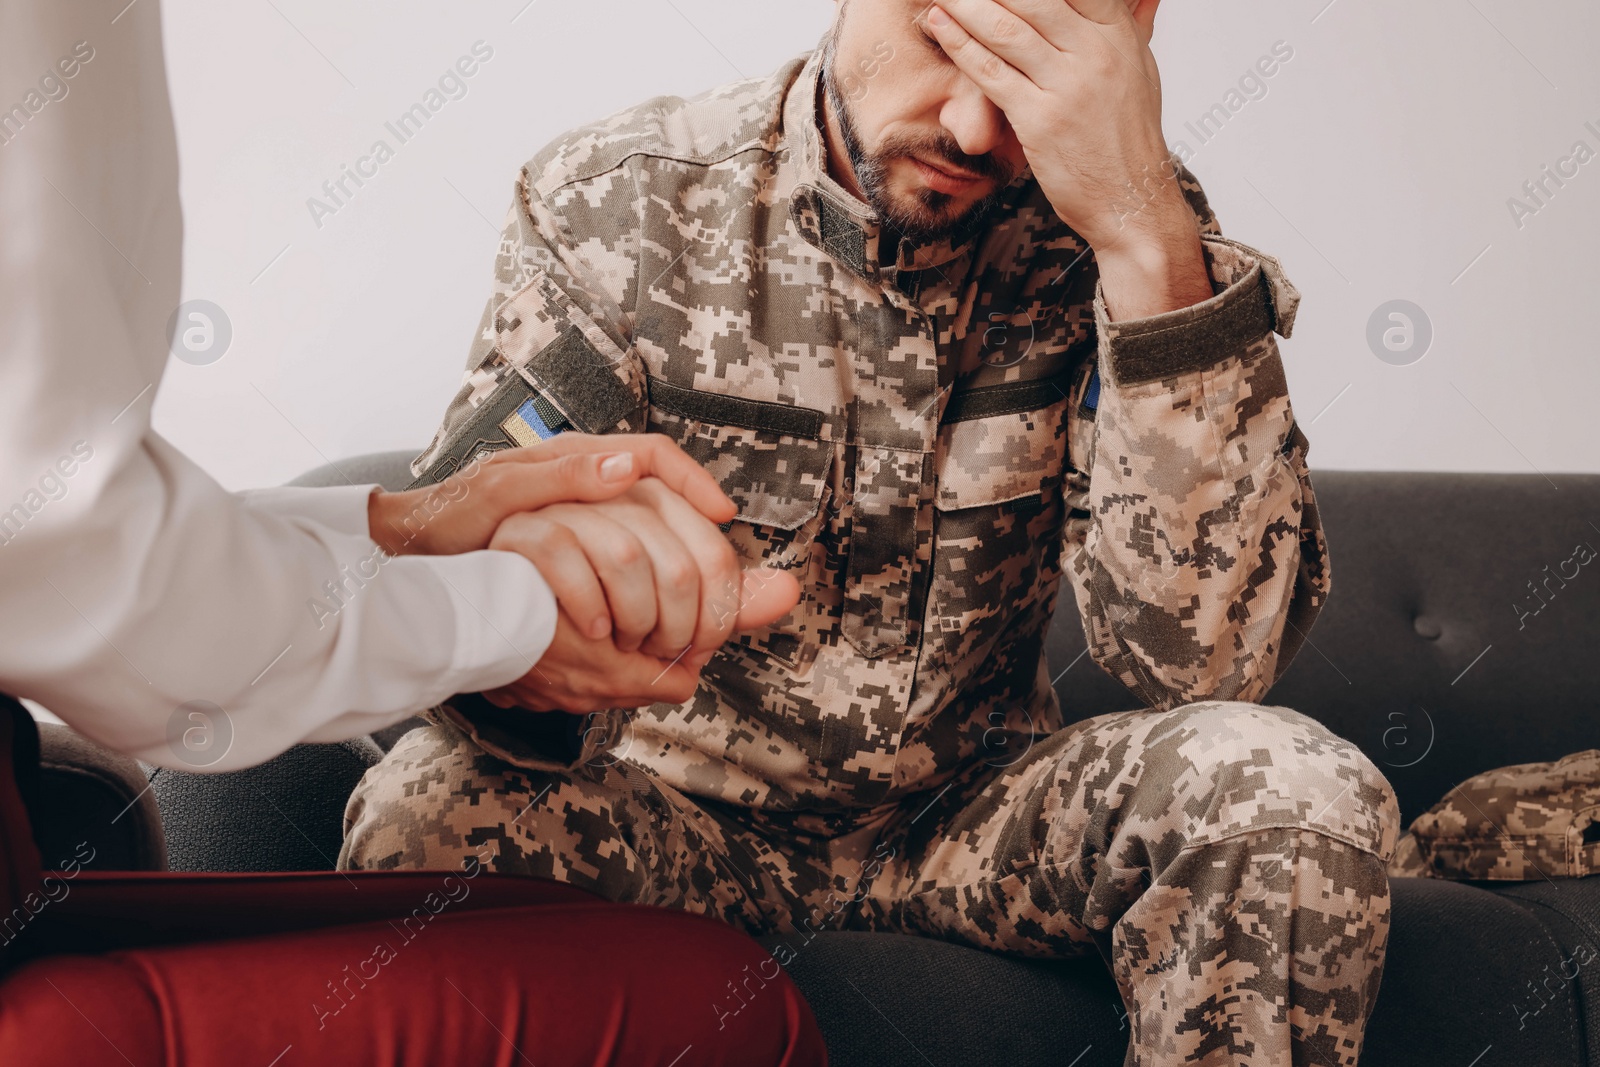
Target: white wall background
[{"x": 1377, "y": 166}]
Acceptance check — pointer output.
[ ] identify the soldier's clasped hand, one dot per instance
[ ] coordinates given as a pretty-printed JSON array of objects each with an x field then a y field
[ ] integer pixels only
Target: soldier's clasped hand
[
  {"x": 583, "y": 674},
  {"x": 645, "y": 567}
]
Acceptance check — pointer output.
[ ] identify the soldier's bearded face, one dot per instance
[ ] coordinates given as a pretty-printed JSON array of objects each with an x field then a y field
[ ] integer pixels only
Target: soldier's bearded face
[{"x": 929, "y": 152}]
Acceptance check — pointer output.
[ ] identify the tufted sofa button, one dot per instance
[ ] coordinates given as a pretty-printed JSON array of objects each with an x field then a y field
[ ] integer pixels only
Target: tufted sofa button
[{"x": 1426, "y": 627}]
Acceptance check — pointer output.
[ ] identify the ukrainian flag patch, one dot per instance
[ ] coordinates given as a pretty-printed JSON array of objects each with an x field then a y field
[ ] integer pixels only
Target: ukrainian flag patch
[{"x": 527, "y": 425}]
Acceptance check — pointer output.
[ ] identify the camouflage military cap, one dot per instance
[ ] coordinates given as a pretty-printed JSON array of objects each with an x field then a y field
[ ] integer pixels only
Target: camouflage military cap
[{"x": 1520, "y": 823}]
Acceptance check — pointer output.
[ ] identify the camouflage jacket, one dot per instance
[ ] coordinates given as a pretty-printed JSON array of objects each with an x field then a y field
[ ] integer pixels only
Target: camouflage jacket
[{"x": 926, "y": 433}]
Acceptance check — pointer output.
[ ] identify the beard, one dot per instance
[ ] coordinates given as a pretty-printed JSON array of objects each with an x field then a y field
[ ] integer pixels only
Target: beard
[{"x": 924, "y": 215}]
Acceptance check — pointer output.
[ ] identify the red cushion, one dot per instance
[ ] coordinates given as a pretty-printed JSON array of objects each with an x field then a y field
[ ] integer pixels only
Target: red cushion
[
  {"x": 101, "y": 910},
  {"x": 561, "y": 983},
  {"x": 392, "y": 969}
]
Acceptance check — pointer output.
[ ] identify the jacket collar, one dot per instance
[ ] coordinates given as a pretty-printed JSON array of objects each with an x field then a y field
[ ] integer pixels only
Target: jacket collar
[{"x": 837, "y": 221}]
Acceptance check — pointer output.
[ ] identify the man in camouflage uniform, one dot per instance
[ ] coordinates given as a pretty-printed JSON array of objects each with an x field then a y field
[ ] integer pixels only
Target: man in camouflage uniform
[{"x": 927, "y": 430}]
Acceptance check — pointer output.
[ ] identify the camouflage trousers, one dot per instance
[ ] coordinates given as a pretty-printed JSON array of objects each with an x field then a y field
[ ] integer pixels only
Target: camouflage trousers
[{"x": 1225, "y": 859}]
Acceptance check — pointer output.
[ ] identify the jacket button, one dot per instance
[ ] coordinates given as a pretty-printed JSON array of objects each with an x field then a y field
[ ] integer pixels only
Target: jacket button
[{"x": 1427, "y": 628}]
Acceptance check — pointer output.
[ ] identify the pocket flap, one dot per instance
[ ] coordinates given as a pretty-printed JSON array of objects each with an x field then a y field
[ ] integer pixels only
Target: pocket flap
[
  {"x": 775, "y": 478},
  {"x": 1001, "y": 443}
]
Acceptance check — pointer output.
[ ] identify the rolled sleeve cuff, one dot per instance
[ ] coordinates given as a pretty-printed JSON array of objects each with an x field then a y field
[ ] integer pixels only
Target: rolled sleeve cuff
[{"x": 1252, "y": 298}]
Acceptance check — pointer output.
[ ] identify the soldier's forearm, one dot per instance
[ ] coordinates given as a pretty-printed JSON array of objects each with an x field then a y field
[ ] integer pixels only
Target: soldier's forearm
[
  {"x": 1201, "y": 545},
  {"x": 1155, "y": 272}
]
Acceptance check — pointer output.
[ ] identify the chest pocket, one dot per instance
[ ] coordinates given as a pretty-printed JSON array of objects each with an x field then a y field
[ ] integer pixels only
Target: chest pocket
[
  {"x": 1002, "y": 442},
  {"x": 1001, "y": 462},
  {"x": 771, "y": 462}
]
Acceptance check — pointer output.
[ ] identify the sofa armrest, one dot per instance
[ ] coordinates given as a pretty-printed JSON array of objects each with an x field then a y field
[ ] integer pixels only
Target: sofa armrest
[
  {"x": 94, "y": 806},
  {"x": 391, "y": 470}
]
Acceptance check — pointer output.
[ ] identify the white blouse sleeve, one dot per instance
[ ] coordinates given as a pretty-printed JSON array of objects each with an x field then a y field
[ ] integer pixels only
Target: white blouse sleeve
[{"x": 135, "y": 593}]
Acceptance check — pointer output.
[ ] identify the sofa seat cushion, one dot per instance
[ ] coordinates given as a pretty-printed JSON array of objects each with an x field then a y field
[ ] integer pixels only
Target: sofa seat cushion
[
  {"x": 1459, "y": 956},
  {"x": 892, "y": 1000},
  {"x": 1570, "y": 911},
  {"x": 283, "y": 815}
]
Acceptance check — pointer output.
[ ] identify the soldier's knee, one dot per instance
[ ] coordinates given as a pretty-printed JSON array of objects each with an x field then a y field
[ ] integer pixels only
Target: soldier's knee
[
  {"x": 435, "y": 802},
  {"x": 1256, "y": 766}
]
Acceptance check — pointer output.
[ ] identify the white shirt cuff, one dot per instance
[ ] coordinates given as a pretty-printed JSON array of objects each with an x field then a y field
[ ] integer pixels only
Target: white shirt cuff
[
  {"x": 342, "y": 508},
  {"x": 505, "y": 617}
]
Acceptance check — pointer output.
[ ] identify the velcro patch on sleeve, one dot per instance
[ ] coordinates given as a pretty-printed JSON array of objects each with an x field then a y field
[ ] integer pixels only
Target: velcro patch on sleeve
[
  {"x": 582, "y": 382},
  {"x": 496, "y": 424}
]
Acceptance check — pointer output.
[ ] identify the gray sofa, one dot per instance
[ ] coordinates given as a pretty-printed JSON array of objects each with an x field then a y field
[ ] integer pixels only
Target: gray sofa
[{"x": 1428, "y": 656}]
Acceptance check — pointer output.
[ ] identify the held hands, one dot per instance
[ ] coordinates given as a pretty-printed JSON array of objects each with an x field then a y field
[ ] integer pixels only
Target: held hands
[
  {"x": 649, "y": 589},
  {"x": 623, "y": 528},
  {"x": 583, "y": 674},
  {"x": 462, "y": 513}
]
